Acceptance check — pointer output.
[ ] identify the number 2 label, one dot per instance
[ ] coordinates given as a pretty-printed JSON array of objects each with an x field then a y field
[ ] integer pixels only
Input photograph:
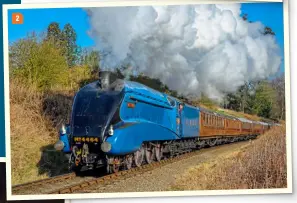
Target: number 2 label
[{"x": 17, "y": 18}]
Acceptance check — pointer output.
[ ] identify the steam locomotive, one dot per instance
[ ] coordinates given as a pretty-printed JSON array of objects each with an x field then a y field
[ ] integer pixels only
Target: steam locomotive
[{"x": 121, "y": 124}]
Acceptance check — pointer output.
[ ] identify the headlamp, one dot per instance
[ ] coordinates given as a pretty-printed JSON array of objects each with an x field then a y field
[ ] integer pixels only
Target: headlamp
[
  {"x": 59, "y": 146},
  {"x": 105, "y": 146}
]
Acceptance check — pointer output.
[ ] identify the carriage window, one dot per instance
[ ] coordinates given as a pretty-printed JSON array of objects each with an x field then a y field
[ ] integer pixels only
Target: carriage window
[
  {"x": 203, "y": 119},
  {"x": 210, "y": 116}
]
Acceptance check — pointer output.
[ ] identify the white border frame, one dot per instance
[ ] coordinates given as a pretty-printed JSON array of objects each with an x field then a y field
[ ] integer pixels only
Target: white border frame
[{"x": 144, "y": 194}]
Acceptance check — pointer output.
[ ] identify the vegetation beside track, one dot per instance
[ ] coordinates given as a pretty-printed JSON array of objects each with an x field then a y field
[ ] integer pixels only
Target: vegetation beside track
[{"x": 260, "y": 165}]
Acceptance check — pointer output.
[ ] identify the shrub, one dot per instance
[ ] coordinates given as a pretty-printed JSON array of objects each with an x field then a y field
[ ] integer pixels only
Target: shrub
[{"x": 38, "y": 63}]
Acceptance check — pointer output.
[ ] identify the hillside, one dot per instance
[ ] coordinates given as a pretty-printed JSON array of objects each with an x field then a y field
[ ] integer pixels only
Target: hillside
[{"x": 35, "y": 119}]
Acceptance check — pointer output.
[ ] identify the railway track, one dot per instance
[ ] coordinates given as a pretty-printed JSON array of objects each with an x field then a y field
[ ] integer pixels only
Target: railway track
[
  {"x": 38, "y": 183},
  {"x": 28, "y": 188},
  {"x": 108, "y": 180},
  {"x": 70, "y": 183}
]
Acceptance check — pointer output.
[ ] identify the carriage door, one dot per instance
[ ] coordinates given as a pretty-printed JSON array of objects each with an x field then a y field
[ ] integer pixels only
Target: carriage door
[{"x": 179, "y": 121}]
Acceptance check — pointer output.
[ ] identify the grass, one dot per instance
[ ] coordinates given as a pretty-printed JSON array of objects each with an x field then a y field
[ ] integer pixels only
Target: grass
[
  {"x": 239, "y": 114},
  {"x": 228, "y": 112},
  {"x": 35, "y": 119},
  {"x": 260, "y": 165}
]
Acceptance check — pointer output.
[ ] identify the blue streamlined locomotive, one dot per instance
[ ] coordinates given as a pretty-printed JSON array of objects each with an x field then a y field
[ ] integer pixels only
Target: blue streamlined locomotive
[
  {"x": 120, "y": 124},
  {"x": 117, "y": 123}
]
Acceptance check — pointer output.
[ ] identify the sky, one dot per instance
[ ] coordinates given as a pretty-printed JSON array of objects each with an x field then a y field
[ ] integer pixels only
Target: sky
[{"x": 270, "y": 14}]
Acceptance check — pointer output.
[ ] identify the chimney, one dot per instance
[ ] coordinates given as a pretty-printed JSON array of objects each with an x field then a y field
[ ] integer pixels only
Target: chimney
[{"x": 106, "y": 78}]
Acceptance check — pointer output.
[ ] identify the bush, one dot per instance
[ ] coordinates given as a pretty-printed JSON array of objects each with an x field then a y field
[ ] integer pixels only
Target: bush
[
  {"x": 77, "y": 75},
  {"x": 38, "y": 63}
]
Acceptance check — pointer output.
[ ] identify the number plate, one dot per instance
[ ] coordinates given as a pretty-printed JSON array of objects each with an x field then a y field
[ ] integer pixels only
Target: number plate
[{"x": 86, "y": 139}]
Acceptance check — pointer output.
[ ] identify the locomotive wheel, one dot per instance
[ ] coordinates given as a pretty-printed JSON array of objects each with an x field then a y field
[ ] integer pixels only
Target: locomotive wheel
[
  {"x": 211, "y": 142},
  {"x": 138, "y": 157},
  {"x": 128, "y": 162},
  {"x": 214, "y": 142},
  {"x": 108, "y": 169},
  {"x": 71, "y": 162},
  {"x": 149, "y": 153},
  {"x": 116, "y": 165},
  {"x": 186, "y": 146},
  {"x": 158, "y": 152}
]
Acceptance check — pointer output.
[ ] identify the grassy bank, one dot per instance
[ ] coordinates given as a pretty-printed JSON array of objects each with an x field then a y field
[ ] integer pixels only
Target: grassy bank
[
  {"x": 35, "y": 119},
  {"x": 262, "y": 164}
]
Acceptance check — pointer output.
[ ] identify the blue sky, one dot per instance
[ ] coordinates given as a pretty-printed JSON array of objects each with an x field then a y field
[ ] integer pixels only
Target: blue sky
[
  {"x": 270, "y": 14},
  {"x": 77, "y": 17}
]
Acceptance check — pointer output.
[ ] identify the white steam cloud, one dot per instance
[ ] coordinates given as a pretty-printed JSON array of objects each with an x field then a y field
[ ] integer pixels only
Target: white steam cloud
[{"x": 192, "y": 49}]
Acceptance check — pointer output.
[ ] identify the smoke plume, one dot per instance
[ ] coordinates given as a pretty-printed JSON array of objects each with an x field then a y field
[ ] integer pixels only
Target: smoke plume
[{"x": 192, "y": 49}]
